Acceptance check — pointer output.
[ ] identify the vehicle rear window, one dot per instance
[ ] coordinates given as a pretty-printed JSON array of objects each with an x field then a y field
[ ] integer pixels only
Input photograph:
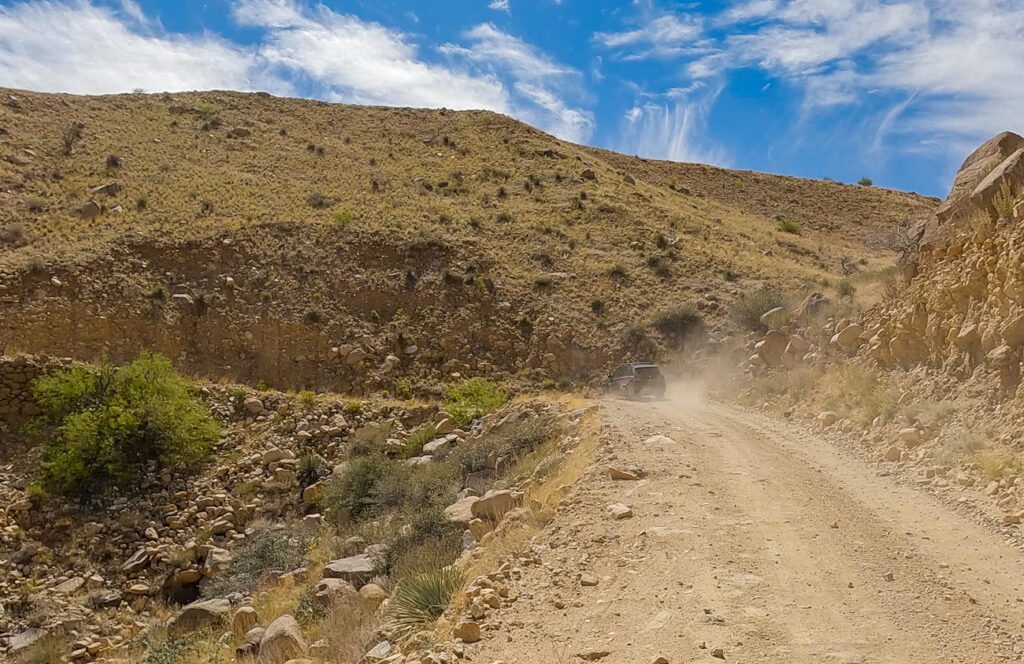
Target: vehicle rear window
[{"x": 647, "y": 372}]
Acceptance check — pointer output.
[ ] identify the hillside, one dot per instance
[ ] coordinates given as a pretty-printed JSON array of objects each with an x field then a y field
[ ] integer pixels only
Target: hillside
[{"x": 300, "y": 243}]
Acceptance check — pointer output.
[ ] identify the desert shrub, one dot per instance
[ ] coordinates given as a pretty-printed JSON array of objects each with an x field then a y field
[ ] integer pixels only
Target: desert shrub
[
  {"x": 731, "y": 275},
  {"x": 746, "y": 311},
  {"x": 375, "y": 485},
  {"x": 35, "y": 203},
  {"x": 158, "y": 293},
  {"x": 417, "y": 541},
  {"x": 70, "y": 137},
  {"x": 789, "y": 226},
  {"x": 369, "y": 439},
  {"x": 353, "y": 407},
  {"x": 543, "y": 283},
  {"x": 845, "y": 289},
  {"x": 678, "y": 323},
  {"x": 205, "y": 109},
  {"x": 265, "y": 551},
  {"x": 421, "y": 599},
  {"x": 49, "y": 649},
  {"x": 510, "y": 440},
  {"x": 473, "y": 399},
  {"x": 618, "y": 272},
  {"x": 309, "y": 470},
  {"x": 865, "y": 182},
  {"x": 313, "y": 316},
  {"x": 660, "y": 266},
  {"x": 597, "y": 306},
  {"x": 318, "y": 201},
  {"x": 103, "y": 425},
  {"x": 308, "y": 397},
  {"x": 113, "y": 161},
  {"x": 1003, "y": 200},
  {"x": 343, "y": 217},
  {"x": 415, "y": 442},
  {"x": 13, "y": 234}
]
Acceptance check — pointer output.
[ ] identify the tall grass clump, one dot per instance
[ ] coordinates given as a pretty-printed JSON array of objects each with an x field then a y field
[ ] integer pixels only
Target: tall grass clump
[
  {"x": 679, "y": 323},
  {"x": 102, "y": 425}
]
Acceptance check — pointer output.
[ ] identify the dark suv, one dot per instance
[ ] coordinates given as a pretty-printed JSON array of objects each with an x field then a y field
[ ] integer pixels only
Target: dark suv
[{"x": 637, "y": 379}]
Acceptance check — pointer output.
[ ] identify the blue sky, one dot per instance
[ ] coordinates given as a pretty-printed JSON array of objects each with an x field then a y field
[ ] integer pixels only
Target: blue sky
[{"x": 896, "y": 90}]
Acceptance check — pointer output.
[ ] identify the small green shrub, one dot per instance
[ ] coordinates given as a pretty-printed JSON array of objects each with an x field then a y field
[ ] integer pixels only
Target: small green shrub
[
  {"x": 102, "y": 425},
  {"x": 205, "y": 109},
  {"x": 473, "y": 399},
  {"x": 318, "y": 201},
  {"x": 597, "y": 306},
  {"x": 353, "y": 407},
  {"x": 369, "y": 439},
  {"x": 865, "y": 182},
  {"x": 159, "y": 293},
  {"x": 415, "y": 442},
  {"x": 421, "y": 599},
  {"x": 789, "y": 226},
  {"x": 375, "y": 485},
  {"x": 678, "y": 323},
  {"x": 845, "y": 289},
  {"x": 343, "y": 217},
  {"x": 308, "y": 397},
  {"x": 660, "y": 266},
  {"x": 746, "y": 311},
  {"x": 309, "y": 470},
  {"x": 265, "y": 551},
  {"x": 510, "y": 440}
]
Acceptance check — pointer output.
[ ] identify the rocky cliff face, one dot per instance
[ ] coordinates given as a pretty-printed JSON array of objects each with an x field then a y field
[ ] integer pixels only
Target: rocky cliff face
[{"x": 964, "y": 312}]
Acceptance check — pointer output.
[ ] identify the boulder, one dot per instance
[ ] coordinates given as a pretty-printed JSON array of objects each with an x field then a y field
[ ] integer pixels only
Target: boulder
[
  {"x": 495, "y": 503},
  {"x": 251, "y": 644},
  {"x": 282, "y": 641},
  {"x": 331, "y": 592},
  {"x": 827, "y": 418},
  {"x": 910, "y": 436},
  {"x": 972, "y": 172},
  {"x": 253, "y": 406},
  {"x": 72, "y": 585},
  {"x": 1013, "y": 331},
  {"x": 199, "y": 615},
  {"x": 216, "y": 563},
  {"x": 1010, "y": 171},
  {"x": 771, "y": 347},
  {"x": 849, "y": 338},
  {"x": 245, "y": 618},
  {"x": 24, "y": 640},
  {"x": 619, "y": 511},
  {"x": 373, "y": 593},
  {"x": 357, "y": 570},
  {"x": 461, "y": 512},
  {"x": 468, "y": 631},
  {"x": 893, "y": 454},
  {"x": 137, "y": 562},
  {"x": 623, "y": 474}
]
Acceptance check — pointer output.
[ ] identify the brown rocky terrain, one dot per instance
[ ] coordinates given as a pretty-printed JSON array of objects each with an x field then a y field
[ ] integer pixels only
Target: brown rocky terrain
[
  {"x": 380, "y": 256},
  {"x": 303, "y": 244}
]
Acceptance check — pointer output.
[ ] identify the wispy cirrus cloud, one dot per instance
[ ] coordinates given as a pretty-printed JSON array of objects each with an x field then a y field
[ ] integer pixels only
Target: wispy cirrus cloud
[{"x": 922, "y": 67}]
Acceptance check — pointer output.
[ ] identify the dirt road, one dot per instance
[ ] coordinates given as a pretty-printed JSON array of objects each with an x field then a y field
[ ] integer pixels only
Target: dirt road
[{"x": 752, "y": 536}]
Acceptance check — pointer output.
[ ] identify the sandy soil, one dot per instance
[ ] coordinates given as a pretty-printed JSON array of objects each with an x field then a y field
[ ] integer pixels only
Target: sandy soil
[{"x": 752, "y": 540}]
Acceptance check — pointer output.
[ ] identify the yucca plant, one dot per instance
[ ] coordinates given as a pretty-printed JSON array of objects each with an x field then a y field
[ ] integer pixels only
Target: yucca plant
[{"x": 421, "y": 599}]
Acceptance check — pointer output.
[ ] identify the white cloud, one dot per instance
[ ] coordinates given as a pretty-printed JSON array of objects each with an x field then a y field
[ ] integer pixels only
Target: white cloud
[
  {"x": 80, "y": 48},
  {"x": 662, "y": 37},
  {"x": 672, "y": 130},
  {"x": 360, "y": 61},
  {"x": 499, "y": 5},
  {"x": 540, "y": 83}
]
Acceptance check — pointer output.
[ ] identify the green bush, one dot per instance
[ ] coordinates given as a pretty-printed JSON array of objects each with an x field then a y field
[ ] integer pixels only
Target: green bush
[
  {"x": 375, "y": 485},
  {"x": 104, "y": 425},
  {"x": 678, "y": 323},
  {"x": 746, "y": 311},
  {"x": 369, "y": 439},
  {"x": 789, "y": 226},
  {"x": 865, "y": 182},
  {"x": 415, "y": 442},
  {"x": 511, "y": 440},
  {"x": 265, "y": 551},
  {"x": 473, "y": 399},
  {"x": 845, "y": 289}
]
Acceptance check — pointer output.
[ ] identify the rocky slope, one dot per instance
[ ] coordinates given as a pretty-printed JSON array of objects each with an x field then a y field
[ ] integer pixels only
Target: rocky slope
[{"x": 306, "y": 244}]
